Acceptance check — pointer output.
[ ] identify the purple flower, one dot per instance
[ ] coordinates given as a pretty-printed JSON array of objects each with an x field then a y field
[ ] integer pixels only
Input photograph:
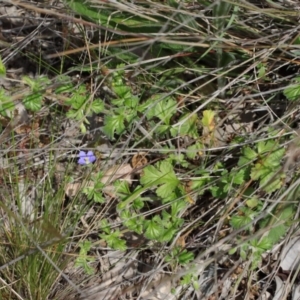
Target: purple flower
[{"x": 86, "y": 158}]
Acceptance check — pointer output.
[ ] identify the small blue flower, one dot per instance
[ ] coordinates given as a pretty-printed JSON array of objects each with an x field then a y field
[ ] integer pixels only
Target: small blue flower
[{"x": 86, "y": 158}]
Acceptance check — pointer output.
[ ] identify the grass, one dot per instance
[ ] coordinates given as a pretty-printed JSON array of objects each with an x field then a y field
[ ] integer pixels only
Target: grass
[{"x": 191, "y": 111}]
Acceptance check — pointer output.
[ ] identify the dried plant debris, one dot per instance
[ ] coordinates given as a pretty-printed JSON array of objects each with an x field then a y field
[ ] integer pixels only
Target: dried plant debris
[
  {"x": 290, "y": 256},
  {"x": 148, "y": 134}
]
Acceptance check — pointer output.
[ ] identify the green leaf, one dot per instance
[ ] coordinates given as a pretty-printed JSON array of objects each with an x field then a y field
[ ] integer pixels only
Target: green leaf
[
  {"x": 89, "y": 192},
  {"x": 138, "y": 203},
  {"x": 98, "y": 198},
  {"x": 260, "y": 171},
  {"x": 65, "y": 89},
  {"x": 163, "y": 109},
  {"x": 131, "y": 101},
  {"x": 167, "y": 234},
  {"x": 82, "y": 128},
  {"x": 261, "y": 70},
  {"x": 247, "y": 211},
  {"x": 72, "y": 114},
  {"x": 114, "y": 241},
  {"x": 133, "y": 222},
  {"x": 292, "y": 92},
  {"x": 119, "y": 102},
  {"x": 238, "y": 222},
  {"x": 153, "y": 228},
  {"x": 33, "y": 102},
  {"x": 105, "y": 226},
  {"x": 185, "y": 257},
  {"x": 78, "y": 99},
  {"x": 208, "y": 120},
  {"x": 248, "y": 155},
  {"x": 30, "y": 82},
  {"x": 130, "y": 115},
  {"x": 112, "y": 18},
  {"x": 265, "y": 244},
  {"x": 287, "y": 213},
  {"x": 2, "y": 68},
  {"x": 126, "y": 215},
  {"x": 162, "y": 129},
  {"x": 189, "y": 127},
  {"x": 193, "y": 150},
  {"x": 36, "y": 85},
  {"x": 83, "y": 259},
  {"x": 177, "y": 207},
  {"x": 265, "y": 146},
  {"x": 252, "y": 203},
  {"x": 296, "y": 41},
  {"x": 161, "y": 174},
  {"x": 232, "y": 251},
  {"x": 186, "y": 279},
  {"x": 275, "y": 184},
  {"x": 6, "y": 105},
  {"x": 274, "y": 158},
  {"x": 276, "y": 233},
  {"x": 200, "y": 182},
  {"x": 97, "y": 106},
  {"x": 83, "y": 263},
  {"x": 218, "y": 191},
  {"x": 122, "y": 90},
  {"x": 177, "y": 159},
  {"x": 122, "y": 188},
  {"x": 239, "y": 177},
  {"x": 243, "y": 254},
  {"x": 113, "y": 124}
]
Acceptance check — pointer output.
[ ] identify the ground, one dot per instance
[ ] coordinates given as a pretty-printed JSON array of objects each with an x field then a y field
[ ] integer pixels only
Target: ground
[{"x": 149, "y": 150}]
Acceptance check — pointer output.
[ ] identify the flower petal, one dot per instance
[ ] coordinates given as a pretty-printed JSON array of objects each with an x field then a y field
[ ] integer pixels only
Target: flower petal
[
  {"x": 90, "y": 153},
  {"x": 82, "y": 161},
  {"x": 91, "y": 157},
  {"x": 81, "y": 154}
]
